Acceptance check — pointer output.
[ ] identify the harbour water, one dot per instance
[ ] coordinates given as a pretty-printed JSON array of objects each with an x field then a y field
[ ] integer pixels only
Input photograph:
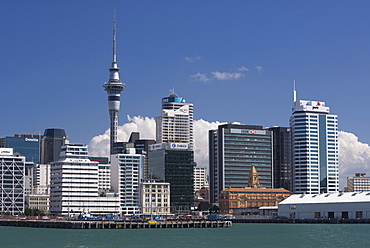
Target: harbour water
[{"x": 240, "y": 235}]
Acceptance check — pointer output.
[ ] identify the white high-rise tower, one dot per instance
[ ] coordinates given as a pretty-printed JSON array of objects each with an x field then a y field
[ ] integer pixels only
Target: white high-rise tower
[
  {"x": 113, "y": 87},
  {"x": 176, "y": 122},
  {"x": 315, "y": 148}
]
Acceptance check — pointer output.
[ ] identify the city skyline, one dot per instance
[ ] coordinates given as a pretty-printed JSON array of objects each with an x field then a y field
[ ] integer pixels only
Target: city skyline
[{"x": 235, "y": 62}]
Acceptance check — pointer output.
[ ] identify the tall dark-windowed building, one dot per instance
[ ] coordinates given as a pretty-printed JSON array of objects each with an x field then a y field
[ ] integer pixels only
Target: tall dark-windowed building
[
  {"x": 174, "y": 163},
  {"x": 54, "y": 139},
  {"x": 282, "y": 157},
  {"x": 233, "y": 150}
]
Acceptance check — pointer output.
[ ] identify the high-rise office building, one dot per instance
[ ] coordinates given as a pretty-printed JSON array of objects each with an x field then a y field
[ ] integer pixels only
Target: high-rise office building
[
  {"x": 104, "y": 172},
  {"x": 114, "y": 87},
  {"x": 41, "y": 179},
  {"x": 12, "y": 173},
  {"x": 74, "y": 185},
  {"x": 176, "y": 121},
  {"x": 282, "y": 157},
  {"x": 315, "y": 148},
  {"x": 126, "y": 176},
  {"x": 54, "y": 139},
  {"x": 27, "y": 145},
  {"x": 174, "y": 163},
  {"x": 233, "y": 150},
  {"x": 142, "y": 147}
]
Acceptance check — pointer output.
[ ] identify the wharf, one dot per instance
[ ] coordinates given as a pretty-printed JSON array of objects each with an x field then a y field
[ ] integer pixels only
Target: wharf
[
  {"x": 302, "y": 221},
  {"x": 104, "y": 224}
]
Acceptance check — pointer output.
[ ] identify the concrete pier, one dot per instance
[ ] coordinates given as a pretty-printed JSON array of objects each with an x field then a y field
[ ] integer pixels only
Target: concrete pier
[{"x": 116, "y": 224}]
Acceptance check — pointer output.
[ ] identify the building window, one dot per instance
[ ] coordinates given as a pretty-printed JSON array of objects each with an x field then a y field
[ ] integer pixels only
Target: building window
[
  {"x": 359, "y": 215},
  {"x": 317, "y": 215}
]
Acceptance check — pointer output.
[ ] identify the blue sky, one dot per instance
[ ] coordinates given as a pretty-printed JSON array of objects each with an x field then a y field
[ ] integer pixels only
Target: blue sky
[{"x": 235, "y": 60}]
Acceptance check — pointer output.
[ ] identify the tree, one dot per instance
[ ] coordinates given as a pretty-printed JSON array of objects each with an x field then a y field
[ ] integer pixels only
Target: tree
[
  {"x": 33, "y": 212},
  {"x": 214, "y": 209}
]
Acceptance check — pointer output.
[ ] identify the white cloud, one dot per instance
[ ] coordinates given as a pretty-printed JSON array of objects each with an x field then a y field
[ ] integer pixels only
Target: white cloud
[
  {"x": 226, "y": 75},
  {"x": 201, "y": 77},
  {"x": 193, "y": 59},
  {"x": 354, "y": 156},
  {"x": 99, "y": 145},
  {"x": 259, "y": 68},
  {"x": 243, "y": 68},
  {"x": 216, "y": 75},
  {"x": 201, "y": 128}
]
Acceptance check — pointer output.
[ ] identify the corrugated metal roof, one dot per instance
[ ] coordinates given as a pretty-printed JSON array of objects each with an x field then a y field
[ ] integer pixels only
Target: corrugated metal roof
[{"x": 327, "y": 198}]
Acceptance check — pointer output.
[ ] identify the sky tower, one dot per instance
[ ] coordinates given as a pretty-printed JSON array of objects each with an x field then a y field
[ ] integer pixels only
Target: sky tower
[{"x": 113, "y": 87}]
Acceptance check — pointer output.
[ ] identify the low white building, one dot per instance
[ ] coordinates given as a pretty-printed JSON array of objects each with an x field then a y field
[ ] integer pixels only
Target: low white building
[
  {"x": 347, "y": 205},
  {"x": 38, "y": 201},
  {"x": 155, "y": 197}
]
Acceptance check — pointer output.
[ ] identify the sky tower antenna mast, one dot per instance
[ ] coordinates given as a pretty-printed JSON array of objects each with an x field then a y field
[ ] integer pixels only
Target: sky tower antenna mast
[{"x": 114, "y": 87}]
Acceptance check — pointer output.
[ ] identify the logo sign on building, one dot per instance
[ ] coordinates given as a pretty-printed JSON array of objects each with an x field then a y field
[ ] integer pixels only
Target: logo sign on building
[
  {"x": 32, "y": 139},
  {"x": 6, "y": 151},
  {"x": 247, "y": 131},
  {"x": 169, "y": 146},
  {"x": 156, "y": 146},
  {"x": 179, "y": 146}
]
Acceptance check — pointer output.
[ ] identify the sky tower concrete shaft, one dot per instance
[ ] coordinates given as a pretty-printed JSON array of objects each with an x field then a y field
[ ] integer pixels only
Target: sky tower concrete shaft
[{"x": 113, "y": 88}]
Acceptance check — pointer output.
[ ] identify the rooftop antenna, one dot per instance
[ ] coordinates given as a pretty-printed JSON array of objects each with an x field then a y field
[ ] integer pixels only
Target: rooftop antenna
[
  {"x": 114, "y": 37},
  {"x": 294, "y": 92}
]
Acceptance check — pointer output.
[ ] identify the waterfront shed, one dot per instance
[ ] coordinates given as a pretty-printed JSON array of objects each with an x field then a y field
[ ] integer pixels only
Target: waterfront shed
[{"x": 349, "y": 205}]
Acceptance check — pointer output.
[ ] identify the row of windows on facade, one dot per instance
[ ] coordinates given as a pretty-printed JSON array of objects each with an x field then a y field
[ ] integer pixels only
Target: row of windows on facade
[
  {"x": 315, "y": 116},
  {"x": 159, "y": 190},
  {"x": 242, "y": 146},
  {"x": 156, "y": 200},
  {"x": 252, "y": 204}
]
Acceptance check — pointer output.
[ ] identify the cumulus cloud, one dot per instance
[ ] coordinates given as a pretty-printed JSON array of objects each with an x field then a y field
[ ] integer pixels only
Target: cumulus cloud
[
  {"x": 201, "y": 128},
  {"x": 354, "y": 156},
  {"x": 193, "y": 59},
  {"x": 99, "y": 145}
]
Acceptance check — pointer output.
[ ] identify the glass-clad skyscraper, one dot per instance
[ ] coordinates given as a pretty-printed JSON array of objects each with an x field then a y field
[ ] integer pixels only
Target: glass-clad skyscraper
[
  {"x": 174, "y": 163},
  {"x": 233, "y": 150},
  {"x": 54, "y": 139},
  {"x": 27, "y": 145},
  {"x": 282, "y": 157},
  {"x": 315, "y": 148}
]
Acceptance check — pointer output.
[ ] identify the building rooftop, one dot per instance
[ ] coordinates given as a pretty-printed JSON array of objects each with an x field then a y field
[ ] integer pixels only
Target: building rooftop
[
  {"x": 328, "y": 198},
  {"x": 255, "y": 190}
]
